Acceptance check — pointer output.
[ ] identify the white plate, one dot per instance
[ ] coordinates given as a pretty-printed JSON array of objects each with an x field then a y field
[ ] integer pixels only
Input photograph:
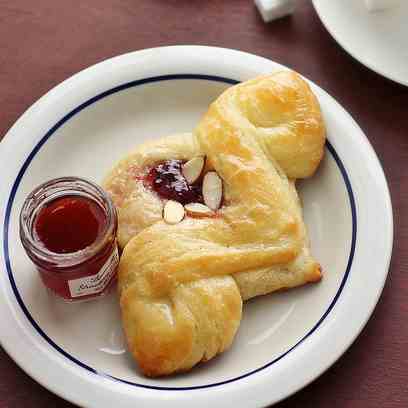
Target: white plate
[
  {"x": 82, "y": 127},
  {"x": 376, "y": 39}
]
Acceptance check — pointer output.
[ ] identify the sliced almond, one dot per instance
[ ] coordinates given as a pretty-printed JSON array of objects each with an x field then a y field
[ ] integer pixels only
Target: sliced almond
[
  {"x": 198, "y": 209},
  {"x": 212, "y": 190},
  {"x": 193, "y": 168},
  {"x": 173, "y": 212}
]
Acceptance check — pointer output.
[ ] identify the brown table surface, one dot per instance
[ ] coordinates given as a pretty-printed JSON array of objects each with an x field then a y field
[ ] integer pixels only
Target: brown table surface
[{"x": 44, "y": 42}]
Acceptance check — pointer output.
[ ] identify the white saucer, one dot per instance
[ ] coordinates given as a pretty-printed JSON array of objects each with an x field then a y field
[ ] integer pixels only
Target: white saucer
[
  {"x": 286, "y": 340},
  {"x": 379, "y": 40}
]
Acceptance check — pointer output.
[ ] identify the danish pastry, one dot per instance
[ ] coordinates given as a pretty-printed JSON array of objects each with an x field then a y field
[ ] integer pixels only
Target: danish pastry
[{"x": 181, "y": 285}]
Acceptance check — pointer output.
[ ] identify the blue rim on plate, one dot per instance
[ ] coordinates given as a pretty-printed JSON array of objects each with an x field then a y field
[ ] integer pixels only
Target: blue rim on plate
[{"x": 78, "y": 109}]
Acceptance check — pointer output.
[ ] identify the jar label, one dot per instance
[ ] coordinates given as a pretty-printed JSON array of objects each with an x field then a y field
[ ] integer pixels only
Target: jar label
[{"x": 95, "y": 283}]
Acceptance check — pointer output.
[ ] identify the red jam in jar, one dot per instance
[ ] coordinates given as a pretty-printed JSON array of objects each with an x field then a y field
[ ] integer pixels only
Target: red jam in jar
[{"x": 68, "y": 228}]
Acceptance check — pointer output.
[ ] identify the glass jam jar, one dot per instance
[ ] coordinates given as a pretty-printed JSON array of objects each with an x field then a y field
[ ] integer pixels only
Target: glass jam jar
[{"x": 68, "y": 228}]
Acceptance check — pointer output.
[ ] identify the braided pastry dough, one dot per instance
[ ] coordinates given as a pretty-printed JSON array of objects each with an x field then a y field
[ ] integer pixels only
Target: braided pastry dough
[{"x": 181, "y": 286}]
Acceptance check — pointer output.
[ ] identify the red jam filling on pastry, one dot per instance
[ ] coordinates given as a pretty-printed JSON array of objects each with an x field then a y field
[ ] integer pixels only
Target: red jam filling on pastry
[{"x": 168, "y": 181}]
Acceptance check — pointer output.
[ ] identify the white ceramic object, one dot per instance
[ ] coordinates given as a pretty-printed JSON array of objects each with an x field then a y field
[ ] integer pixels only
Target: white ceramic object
[
  {"x": 377, "y": 5},
  {"x": 80, "y": 128},
  {"x": 376, "y": 39}
]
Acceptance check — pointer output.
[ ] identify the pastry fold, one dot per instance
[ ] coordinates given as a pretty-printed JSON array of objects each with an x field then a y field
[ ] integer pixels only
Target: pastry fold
[{"x": 181, "y": 286}]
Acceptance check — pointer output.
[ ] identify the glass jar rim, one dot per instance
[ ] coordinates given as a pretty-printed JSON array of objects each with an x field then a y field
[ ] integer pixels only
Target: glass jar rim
[{"x": 65, "y": 186}]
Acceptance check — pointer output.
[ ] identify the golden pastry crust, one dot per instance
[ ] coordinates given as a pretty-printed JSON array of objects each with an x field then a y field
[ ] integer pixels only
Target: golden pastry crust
[{"x": 181, "y": 286}]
